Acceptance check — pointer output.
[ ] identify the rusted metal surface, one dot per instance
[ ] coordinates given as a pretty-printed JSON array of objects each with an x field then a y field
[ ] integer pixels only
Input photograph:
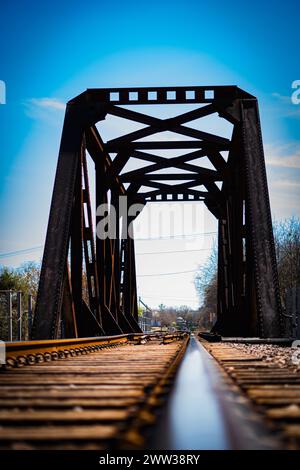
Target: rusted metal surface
[
  {"x": 272, "y": 387},
  {"x": 91, "y": 394},
  {"x": 22, "y": 352}
]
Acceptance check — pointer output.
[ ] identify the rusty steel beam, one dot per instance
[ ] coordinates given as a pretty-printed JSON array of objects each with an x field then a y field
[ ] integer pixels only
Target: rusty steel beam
[
  {"x": 260, "y": 221},
  {"x": 50, "y": 292}
]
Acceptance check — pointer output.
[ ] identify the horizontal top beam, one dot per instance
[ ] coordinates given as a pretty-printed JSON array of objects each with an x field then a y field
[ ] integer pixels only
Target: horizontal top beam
[{"x": 162, "y": 95}]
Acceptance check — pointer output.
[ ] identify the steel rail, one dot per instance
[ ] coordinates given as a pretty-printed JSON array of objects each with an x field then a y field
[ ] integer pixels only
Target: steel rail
[
  {"x": 28, "y": 352},
  {"x": 108, "y": 399}
]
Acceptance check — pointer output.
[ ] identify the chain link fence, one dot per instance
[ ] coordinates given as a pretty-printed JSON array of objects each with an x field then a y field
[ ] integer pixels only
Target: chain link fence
[{"x": 16, "y": 315}]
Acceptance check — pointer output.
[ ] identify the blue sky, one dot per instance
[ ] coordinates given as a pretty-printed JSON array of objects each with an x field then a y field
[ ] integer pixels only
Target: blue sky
[{"x": 52, "y": 51}]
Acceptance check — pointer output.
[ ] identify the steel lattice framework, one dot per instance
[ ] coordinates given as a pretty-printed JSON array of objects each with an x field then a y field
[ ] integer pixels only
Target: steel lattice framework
[{"x": 248, "y": 294}]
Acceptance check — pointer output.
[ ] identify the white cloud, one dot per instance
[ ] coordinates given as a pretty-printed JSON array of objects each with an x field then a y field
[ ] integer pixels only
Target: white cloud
[
  {"x": 48, "y": 110},
  {"x": 291, "y": 161},
  {"x": 287, "y": 183},
  {"x": 286, "y": 106},
  {"x": 286, "y": 156},
  {"x": 283, "y": 165},
  {"x": 282, "y": 98},
  {"x": 51, "y": 103}
]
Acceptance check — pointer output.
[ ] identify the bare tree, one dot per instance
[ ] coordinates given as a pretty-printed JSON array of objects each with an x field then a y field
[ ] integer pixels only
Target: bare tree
[
  {"x": 206, "y": 287},
  {"x": 287, "y": 244}
]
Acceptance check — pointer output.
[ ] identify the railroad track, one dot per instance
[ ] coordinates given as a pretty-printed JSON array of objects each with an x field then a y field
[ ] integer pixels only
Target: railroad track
[
  {"x": 106, "y": 393},
  {"x": 273, "y": 388},
  {"x": 92, "y": 393}
]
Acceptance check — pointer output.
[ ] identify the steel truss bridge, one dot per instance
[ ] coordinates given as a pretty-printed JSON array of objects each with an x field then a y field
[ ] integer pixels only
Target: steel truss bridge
[{"x": 248, "y": 293}]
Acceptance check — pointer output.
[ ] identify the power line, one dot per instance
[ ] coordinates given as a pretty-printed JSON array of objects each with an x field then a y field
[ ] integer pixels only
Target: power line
[
  {"x": 20, "y": 252},
  {"x": 171, "y": 237},
  {"x": 162, "y": 296},
  {"x": 174, "y": 251},
  {"x": 182, "y": 235},
  {"x": 167, "y": 274}
]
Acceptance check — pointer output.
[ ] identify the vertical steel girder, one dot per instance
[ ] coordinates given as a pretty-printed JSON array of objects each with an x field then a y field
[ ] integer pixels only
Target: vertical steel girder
[{"x": 88, "y": 286}]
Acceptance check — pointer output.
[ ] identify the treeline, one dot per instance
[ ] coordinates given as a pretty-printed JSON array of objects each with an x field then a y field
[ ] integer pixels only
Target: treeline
[{"x": 169, "y": 316}]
